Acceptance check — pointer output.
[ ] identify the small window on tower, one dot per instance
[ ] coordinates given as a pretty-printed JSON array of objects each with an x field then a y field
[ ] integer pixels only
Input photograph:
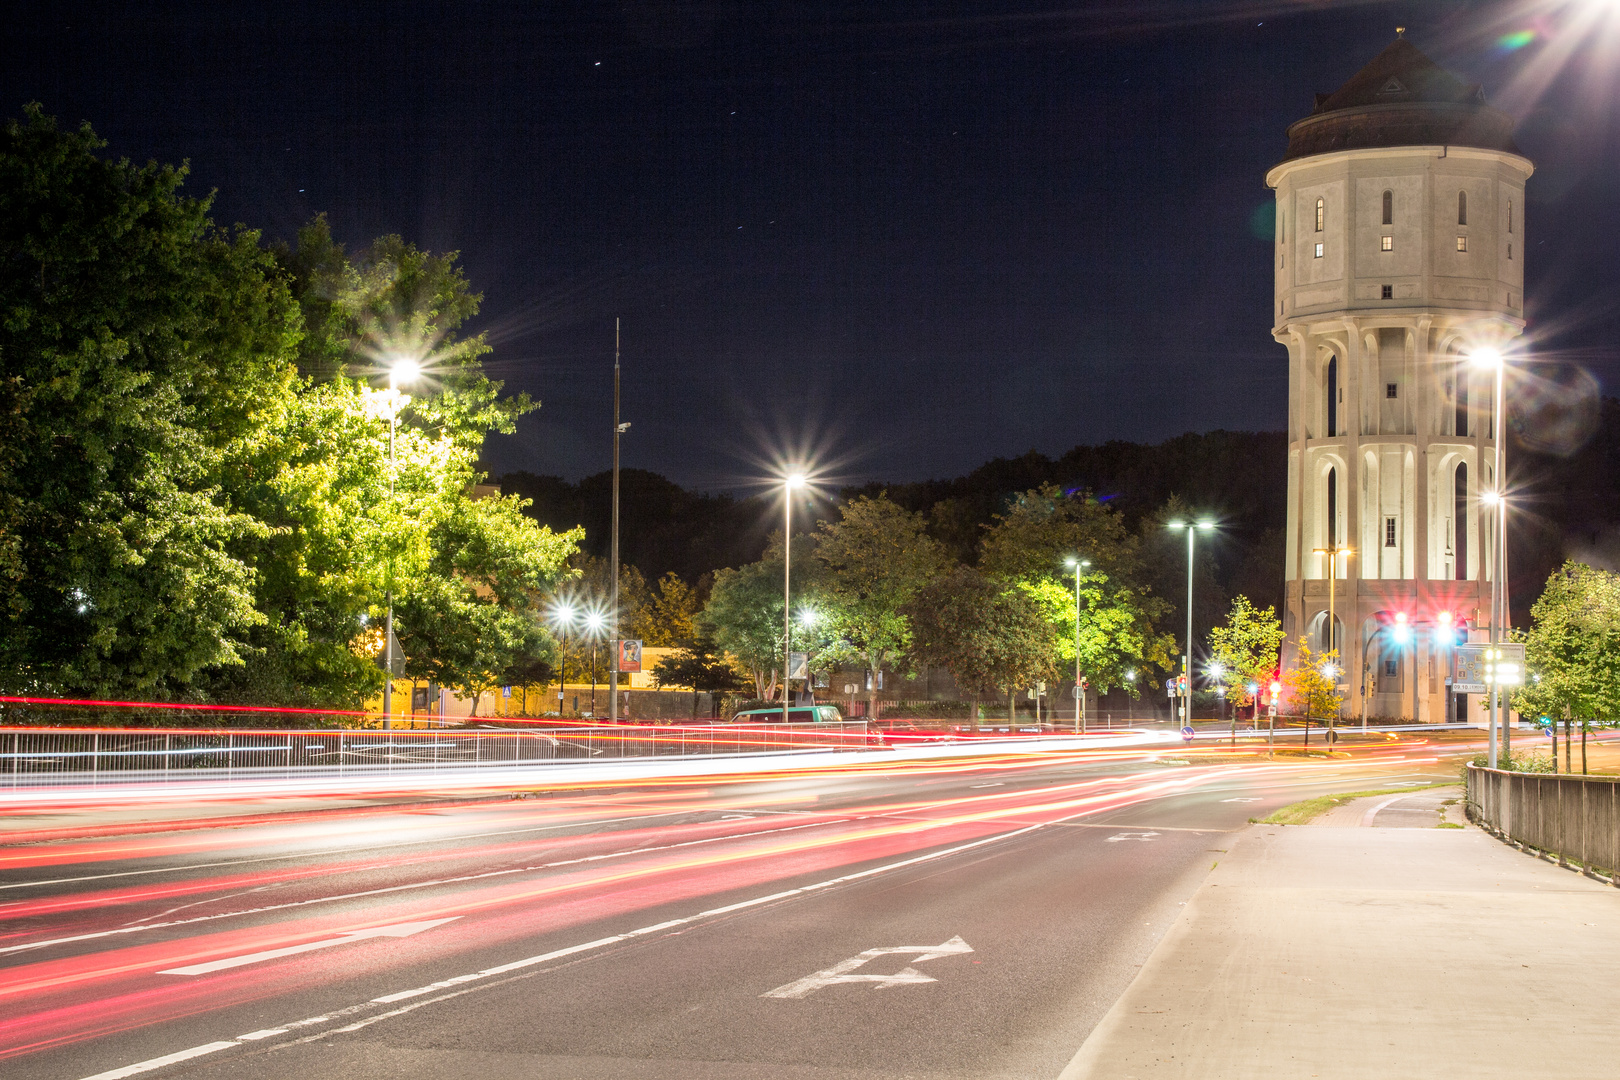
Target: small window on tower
[
  {"x": 1318, "y": 251},
  {"x": 1392, "y": 390},
  {"x": 1321, "y": 213},
  {"x": 1389, "y": 208},
  {"x": 1462, "y": 243},
  {"x": 1462, "y": 207},
  {"x": 1389, "y": 532},
  {"x": 1510, "y": 217},
  {"x": 1392, "y": 669},
  {"x": 1510, "y": 249},
  {"x": 1389, "y": 292},
  {"x": 1386, "y": 243}
]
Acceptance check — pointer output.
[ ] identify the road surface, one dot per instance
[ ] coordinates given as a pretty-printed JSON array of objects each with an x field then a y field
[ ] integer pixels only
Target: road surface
[{"x": 954, "y": 918}]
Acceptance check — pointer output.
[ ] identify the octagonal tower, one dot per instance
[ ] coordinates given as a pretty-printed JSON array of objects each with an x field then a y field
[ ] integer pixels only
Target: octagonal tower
[{"x": 1399, "y": 250}]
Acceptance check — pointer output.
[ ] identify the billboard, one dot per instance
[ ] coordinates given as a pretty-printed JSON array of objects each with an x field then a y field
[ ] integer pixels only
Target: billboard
[{"x": 629, "y": 655}]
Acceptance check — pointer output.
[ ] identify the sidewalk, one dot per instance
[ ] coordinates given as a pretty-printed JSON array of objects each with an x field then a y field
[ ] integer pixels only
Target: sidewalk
[{"x": 1368, "y": 952}]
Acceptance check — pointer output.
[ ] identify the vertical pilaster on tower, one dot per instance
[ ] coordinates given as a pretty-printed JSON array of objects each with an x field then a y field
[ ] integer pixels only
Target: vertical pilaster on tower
[{"x": 1399, "y": 251}]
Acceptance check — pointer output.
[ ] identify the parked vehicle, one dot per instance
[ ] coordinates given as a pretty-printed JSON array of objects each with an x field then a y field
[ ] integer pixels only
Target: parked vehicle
[{"x": 797, "y": 714}]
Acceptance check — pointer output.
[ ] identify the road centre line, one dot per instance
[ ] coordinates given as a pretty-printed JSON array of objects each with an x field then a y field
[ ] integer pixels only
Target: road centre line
[
  {"x": 407, "y": 887},
  {"x": 457, "y": 984},
  {"x": 336, "y": 851}
]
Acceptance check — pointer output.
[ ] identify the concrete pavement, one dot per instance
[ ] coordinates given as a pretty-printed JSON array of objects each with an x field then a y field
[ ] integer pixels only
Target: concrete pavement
[{"x": 1370, "y": 952}]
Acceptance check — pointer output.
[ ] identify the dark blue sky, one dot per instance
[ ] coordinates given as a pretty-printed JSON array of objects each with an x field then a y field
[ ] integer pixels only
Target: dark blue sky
[{"x": 911, "y": 236}]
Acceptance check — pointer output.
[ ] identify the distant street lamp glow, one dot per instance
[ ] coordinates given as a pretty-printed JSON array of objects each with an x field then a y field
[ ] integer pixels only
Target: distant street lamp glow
[
  {"x": 403, "y": 369},
  {"x": 1186, "y": 660}
]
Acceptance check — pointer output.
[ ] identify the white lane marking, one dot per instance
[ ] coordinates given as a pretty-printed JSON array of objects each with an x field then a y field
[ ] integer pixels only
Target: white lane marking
[
  {"x": 404, "y": 888},
  {"x": 313, "y": 852},
  {"x": 1142, "y": 836},
  {"x": 840, "y": 972},
  {"x": 1240, "y": 800},
  {"x": 988, "y": 785},
  {"x": 397, "y": 930},
  {"x": 158, "y": 1062},
  {"x": 1372, "y": 811}
]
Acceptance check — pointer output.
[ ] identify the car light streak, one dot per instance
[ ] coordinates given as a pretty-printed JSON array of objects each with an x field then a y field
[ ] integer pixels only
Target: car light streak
[{"x": 567, "y": 898}]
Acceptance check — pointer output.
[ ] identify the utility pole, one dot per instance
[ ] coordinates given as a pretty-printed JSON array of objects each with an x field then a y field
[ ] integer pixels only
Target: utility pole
[{"x": 613, "y": 690}]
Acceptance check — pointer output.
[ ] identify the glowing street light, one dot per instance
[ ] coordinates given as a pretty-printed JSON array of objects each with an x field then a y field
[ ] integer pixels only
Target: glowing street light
[
  {"x": 1493, "y": 360},
  {"x": 401, "y": 369},
  {"x": 790, "y": 483},
  {"x": 562, "y": 616},
  {"x": 1186, "y": 660},
  {"x": 1079, "y": 565}
]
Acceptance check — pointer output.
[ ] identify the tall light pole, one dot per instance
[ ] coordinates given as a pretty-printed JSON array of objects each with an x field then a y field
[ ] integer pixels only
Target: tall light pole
[
  {"x": 400, "y": 369},
  {"x": 1079, "y": 694},
  {"x": 1186, "y": 660},
  {"x": 1491, "y": 358},
  {"x": 1333, "y": 551},
  {"x": 563, "y": 616},
  {"x": 791, "y": 483},
  {"x": 595, "y": 622},
  {"x": 618, "y": 429}
]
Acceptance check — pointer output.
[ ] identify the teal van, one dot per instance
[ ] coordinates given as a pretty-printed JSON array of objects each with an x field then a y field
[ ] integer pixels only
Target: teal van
[{"x": 797, "y": 714}]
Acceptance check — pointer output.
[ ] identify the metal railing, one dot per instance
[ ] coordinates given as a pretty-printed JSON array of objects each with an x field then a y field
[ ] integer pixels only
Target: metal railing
[
  {"x": 43, "y": 757},
  {"x": 1572, "y": 818}
]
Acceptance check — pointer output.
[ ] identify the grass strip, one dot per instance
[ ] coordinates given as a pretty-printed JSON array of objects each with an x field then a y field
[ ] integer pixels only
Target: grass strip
[{"x": 1303, "y": 813}]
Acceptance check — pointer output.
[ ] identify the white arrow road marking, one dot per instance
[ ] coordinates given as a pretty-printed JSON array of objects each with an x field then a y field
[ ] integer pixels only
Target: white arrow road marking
[
  {"x": 840, "y": 973},
  {"x": 397, "y": 930},
  {"x": 1240, "y": 800},
  {"x": 1142, "y": 836}
]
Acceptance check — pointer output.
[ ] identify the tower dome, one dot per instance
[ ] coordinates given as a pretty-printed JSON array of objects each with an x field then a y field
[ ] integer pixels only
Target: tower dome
[
  {"x": 1401, "y": 98},
  {"x": 1399, "y": 253}
]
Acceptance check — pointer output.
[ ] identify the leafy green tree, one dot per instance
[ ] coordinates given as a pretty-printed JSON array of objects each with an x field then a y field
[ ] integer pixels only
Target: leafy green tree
[
  {"x": 1246, "y": 647},
  {"x": 141, "y": 349},
  {"x": 1116, "y": 635},
  {"x": 744, "y": 615},
  {"x": 1572, "y": 649},
  {"x": 874, "y": 560},
  {"x": 1043, "y": 527},
  {"x": 700, "y": 665},
  {"x": 990, "y": 636},
  {"x": 667, "y": 614},
  {"x": 1307, "y": 682}
]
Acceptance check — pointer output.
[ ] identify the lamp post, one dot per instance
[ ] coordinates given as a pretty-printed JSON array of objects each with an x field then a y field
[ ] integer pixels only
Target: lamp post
[
  {"x": 792, "y": 482},
  {"x": 1492, "y": 359},
  {"x": 563, "y": 616},
  {"x": 594, "y": 622},
  {"x": 1333, "y": 551},
  {"x": 1443, "y": 637},
  {"x": 401, "y": 369},
  {"x": 1079, "y": 694},
  {"x": 1186, "y": 660}
]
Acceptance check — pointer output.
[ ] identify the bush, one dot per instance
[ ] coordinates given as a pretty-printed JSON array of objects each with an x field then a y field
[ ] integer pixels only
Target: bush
[{"x": 1523, "y": 762}]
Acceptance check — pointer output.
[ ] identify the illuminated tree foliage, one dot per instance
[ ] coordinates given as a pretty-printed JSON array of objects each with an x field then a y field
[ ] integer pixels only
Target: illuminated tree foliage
[
  {"x": 991, "y": 637},
  {"x": 1246, "y": 647},
  {"x": 196, "y": 499},
  {"x": 1572, "y": 649},
  {"x": 1306, "y": 682},
  {"x": 875, "y": 559}
]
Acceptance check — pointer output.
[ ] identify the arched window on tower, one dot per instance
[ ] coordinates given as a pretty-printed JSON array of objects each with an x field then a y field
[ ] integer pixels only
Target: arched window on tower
[
  {"x": 1462, "y": 207},
  {"x": 1459, "y": 519},
  {"x": 1459, "y": 398},
  {"x": 1321, "y": 213},
  {"x": 1333, "y": 508},
  {"x": 1389, "y": 208},
  {"x": 1332, "y": 396}
]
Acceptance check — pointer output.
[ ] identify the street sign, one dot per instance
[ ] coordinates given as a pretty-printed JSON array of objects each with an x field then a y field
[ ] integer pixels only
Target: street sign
[
  {"x": 629, "y": 655},
  {"x": 1187, "y": 733},
  {"x": 1479, "y": 666}
]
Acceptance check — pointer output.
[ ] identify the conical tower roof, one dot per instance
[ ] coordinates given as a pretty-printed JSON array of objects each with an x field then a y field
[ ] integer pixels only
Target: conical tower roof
[{"x": 1401, "y": 98}]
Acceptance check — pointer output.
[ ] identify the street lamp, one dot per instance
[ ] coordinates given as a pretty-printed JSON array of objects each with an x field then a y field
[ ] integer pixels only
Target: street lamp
[
  {"x": 1492, "y": 359},
  {"x": 790, "y": 483},
  {"x": 1079, "y": 694},
  {"x": 594, "y": 622},
  {"x": 402, "y": 369},
  {"x": 563, "y": 616},
  {"x": 1186, "y": 660}
]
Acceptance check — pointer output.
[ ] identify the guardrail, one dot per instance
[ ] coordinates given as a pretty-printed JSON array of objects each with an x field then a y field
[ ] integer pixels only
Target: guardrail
[
  {"x": 35, "y": 757},
  {"x": 1573, "y": 819}
]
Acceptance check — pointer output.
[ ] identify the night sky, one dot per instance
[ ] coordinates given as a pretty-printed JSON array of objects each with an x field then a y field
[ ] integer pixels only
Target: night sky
[{"x": 903, "y": 237}]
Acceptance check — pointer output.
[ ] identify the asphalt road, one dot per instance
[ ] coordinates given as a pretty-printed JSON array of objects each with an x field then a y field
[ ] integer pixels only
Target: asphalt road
[{"x": 964, "y": 918}]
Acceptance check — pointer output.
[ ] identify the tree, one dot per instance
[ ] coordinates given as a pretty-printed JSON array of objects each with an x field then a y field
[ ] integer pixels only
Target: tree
[
  {"x": 666, "y": 616},
  {"x": 1246, "y": 648},
  {"x": 1572, "y": 649},
  {"x": 1116, "y": 635},
  {"x": 1044, "y": 526},
  {"x": 991, "y": 637},
  {"x": 141, "y": 349},
  {"x": 1310, "y": 686},
  {"x": 874, "y": 559},
  {"x": 699, "y": 665},
  {"x": 744, "y": 614}
]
